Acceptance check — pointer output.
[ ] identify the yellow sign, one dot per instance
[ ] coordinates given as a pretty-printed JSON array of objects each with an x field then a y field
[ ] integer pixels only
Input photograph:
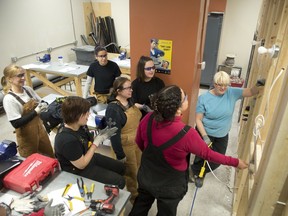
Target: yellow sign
[{"x": 161, "y": 53}]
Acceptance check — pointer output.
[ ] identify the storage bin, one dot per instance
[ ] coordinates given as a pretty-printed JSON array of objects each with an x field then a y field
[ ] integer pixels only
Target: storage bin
[{"x": 84, "y": 54}]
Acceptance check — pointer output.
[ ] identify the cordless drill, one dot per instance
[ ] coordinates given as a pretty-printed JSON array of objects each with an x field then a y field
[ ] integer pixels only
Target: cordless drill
[{"x": 106, "y": 205}]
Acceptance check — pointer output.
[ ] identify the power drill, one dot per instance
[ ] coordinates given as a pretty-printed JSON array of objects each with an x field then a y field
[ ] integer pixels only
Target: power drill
[{"x": 106, "y": 205}]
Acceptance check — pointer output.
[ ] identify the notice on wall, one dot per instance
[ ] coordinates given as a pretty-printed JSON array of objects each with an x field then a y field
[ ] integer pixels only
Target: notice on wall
[{"x": 161, "y": 53}]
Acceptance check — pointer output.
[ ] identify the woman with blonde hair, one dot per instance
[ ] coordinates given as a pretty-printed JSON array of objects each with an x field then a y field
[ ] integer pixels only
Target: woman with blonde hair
[
  {"x": 23, "y": 106},
  {"x": 214, "y": 114}
]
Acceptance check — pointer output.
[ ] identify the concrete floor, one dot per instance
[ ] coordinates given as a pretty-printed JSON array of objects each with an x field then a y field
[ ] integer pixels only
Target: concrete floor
[{"x": 214, "y": 198}]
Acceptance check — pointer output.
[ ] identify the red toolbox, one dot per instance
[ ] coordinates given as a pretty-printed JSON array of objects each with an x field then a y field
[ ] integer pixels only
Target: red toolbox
[{"x": 31, "y": 173}]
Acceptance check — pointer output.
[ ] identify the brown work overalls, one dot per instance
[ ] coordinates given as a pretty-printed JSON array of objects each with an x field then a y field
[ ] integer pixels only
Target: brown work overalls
[
  {"x": 102, "y": 98},
  {"x": 32, "y": 137},
  {"x": 131, "y": 149}
]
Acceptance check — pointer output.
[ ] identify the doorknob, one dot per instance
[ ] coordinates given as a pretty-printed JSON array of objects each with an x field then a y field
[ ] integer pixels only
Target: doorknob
[{"x": 202, "y": 65}]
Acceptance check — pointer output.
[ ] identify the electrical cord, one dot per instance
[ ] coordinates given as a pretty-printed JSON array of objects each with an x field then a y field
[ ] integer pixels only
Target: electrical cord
[
  {"x": 229, "y": 187},
  {"x": 260, "y": 119},
  {"x": 259, "y": 123},
  {"x": 270, "y": 90}
]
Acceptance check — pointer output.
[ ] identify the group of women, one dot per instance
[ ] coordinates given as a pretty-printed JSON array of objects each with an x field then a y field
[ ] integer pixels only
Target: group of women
[{"x": 150, "y": 142}]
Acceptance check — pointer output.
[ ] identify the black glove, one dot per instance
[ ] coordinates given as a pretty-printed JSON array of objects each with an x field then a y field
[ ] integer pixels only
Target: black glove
[{"x": 260, "y": 82}]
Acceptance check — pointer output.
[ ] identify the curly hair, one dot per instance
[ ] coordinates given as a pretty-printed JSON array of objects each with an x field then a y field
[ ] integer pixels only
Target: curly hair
[{"x": 166, "y": 103}]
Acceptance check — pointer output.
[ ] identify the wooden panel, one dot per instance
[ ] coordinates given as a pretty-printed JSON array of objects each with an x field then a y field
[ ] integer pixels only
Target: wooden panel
[{"x": 268, "y": 150}]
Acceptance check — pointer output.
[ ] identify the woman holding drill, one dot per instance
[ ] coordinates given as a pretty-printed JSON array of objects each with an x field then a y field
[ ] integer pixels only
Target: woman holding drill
[{"x": 166, "y": 143}]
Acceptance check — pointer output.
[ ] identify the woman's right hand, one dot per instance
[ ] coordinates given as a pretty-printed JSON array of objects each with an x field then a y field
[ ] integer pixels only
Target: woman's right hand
[{"x": 242, "y": 164}]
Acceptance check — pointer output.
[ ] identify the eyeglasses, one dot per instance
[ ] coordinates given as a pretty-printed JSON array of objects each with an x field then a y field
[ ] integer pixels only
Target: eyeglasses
[
  {"x": 185, "y": 98},
  {"x": 127, "y": 88},
  {"x": 221, "y": 85},
  {"x": 102, "y": 56},
  {"x": 20, "y": 75},
  {"x": 150, "y": 68}
]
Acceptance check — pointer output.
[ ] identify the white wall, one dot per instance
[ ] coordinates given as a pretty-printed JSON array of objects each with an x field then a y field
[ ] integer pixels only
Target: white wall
[
  {"x": 18, "y": 22},
  {"x": 238, "y": 28},
  {"x": 239, "y": 25}
]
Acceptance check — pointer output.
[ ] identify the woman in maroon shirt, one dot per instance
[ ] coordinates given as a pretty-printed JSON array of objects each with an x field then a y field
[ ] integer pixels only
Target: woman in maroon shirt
[{"x": 166, "y": 143}]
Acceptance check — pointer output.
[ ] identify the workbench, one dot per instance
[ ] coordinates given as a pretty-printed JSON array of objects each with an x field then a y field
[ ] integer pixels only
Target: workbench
[
  {"x": 124, "y": 65},
  {"x": 60, "y": 179},
  {"x": 67, "y": 72}
]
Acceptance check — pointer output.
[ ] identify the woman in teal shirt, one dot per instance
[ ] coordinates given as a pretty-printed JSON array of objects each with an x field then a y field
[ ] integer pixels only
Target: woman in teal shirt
[{"x": 214, "y": 114}]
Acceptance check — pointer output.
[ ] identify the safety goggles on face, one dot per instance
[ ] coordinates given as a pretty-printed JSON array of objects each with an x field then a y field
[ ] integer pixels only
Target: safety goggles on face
[
  {"x": 102, "y": 56},
  {"x": 21, "y": 75},
  {"x": 185, "y": 97},
  {"x": 150, "y": 68},
  {"x": 127, "y": 88},
  {"x": 221, "y": 85}
]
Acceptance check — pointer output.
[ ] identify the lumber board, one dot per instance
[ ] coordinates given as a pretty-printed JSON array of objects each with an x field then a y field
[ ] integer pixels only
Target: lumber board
[
  {"x": 262, "y": 190},
  {"x": 99, "y": 9},
  {"x": 272, "y": 173}
]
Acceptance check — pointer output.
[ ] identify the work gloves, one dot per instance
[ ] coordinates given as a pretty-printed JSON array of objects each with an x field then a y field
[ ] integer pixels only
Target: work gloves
[
  {"x": 146, "y": 108},
  {"x": 57, "y": 210},
  {"x": 104, "y": 134},
  {"x": 206, "y": 139},
  {"x": 23, "y": 205},
  {"x": 28, "y": 205},
  {"x": 42, "y": 107}
]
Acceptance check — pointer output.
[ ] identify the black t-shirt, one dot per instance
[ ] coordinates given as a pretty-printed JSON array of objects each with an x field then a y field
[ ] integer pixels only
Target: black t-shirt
[
  {"x": 142, "y": 90},
  {"x": 71, "y": 145},
  {"x": 104, "y": 76}
]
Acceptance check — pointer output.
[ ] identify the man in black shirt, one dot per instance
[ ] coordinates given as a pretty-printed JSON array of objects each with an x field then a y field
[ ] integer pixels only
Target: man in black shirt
[{"x": 104, "y": 73}]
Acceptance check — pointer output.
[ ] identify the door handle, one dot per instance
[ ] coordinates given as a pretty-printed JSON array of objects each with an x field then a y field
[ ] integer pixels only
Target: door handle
[{"x": 202, "y": 65}]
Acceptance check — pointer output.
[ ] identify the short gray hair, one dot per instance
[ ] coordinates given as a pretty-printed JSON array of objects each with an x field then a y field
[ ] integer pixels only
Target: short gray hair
[{"x": 222, "y": 78}]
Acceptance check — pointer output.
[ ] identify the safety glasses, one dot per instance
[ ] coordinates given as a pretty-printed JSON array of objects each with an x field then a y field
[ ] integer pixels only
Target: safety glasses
[
  {"x": 185, "y": 98},
  {"x": 150, "y": 68},
  {"x": 127, "y": 88},
  {"x": 102, "y": 56},
  {"x": 21, "y": 75}
]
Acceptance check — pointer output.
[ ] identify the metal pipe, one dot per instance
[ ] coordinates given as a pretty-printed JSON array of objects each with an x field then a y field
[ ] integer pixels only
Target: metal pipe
[{"x": 49, "y": 50}]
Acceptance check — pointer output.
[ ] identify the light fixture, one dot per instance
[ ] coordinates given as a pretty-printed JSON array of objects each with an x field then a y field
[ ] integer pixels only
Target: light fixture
[{"x": 274, "y": 50}]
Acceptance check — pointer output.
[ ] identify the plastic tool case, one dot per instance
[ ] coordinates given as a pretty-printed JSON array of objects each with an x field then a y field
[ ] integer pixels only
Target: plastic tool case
[{"x": 31, "y": 173}]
